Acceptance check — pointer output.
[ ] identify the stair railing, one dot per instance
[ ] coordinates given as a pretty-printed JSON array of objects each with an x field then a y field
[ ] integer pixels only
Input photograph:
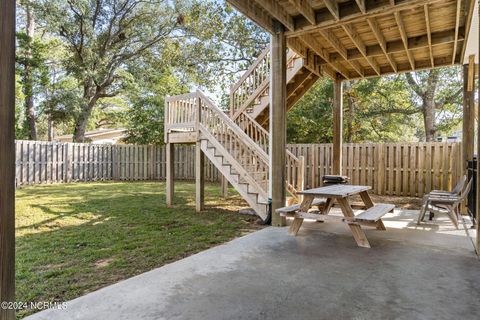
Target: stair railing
[
  {"x": 254, "y": 83},
  {"x": 295, "y": 166}
]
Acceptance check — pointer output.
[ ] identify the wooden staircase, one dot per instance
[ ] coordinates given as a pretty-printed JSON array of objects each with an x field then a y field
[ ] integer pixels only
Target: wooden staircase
[
  {"x": 250, "y": 95},
  {"x": 237, "y": 144}
]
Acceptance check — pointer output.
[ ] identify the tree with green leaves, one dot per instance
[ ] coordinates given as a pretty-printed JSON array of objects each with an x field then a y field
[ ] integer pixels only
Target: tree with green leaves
[{"x": 102, "y": 36}]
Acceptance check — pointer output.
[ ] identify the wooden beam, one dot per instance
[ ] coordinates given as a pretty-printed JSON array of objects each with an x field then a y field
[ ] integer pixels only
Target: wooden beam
[
  {"x": 199, "y": 178},
  {"x": 405, "y": 67},
  {"x": 355, "y": 37},
  {"x": 468, "y": 23},
  {"x": 372, "y": 22},
  {"x": 457, "y": 26},
  {"x": 403, "y": 35},
  {"x": 170, "y": 174},
  {"x": 350, "y": 13},
  {"x": 337, "y": 45},
  {"x": 438, "y": 38},
  {"x": 312, "y": 43},
  {"x": 305, "y": 9},
  {"x": 361, "y": 5},
  {"x": 277, "y": 122},
  {"x": 7, "y": 158},
  {"x": 337, "y": 127},
  {"x": 332, "y": 6},
  {"x": 429, "y": 33},
  {"x": 278, "y": 12},
  {"x": 250, "y": 10}
]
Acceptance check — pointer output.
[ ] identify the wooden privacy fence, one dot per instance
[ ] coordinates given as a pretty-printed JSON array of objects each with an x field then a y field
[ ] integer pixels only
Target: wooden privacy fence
[
  {"x": 401, "y": 169},
  {"x": 397, "y": 169},
  {"x": 53, "y": 162}
]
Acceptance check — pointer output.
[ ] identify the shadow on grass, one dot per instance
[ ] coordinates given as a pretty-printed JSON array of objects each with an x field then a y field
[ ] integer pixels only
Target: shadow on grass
[{"x": 75, "y": 238}]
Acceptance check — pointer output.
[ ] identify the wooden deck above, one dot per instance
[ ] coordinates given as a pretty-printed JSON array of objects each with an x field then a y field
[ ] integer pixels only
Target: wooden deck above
[{"x": 362, "y": 38}]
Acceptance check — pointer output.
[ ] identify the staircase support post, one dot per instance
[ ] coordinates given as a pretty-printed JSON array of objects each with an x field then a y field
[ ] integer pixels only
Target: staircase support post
[
  {"x": 199, "y": 178},
  {"x": 278, "y": 132},
  {"x": 337, "y": 127},
  {"x": 7, "y": 157},
  {"x": 224, "y": 186},
  {"x": 170, "y": 176},
  {"x": 199, "y": 161}
]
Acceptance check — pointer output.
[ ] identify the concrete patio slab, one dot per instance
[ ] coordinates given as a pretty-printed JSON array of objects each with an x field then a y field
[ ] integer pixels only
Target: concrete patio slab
[{"x": 427, "y": 272}]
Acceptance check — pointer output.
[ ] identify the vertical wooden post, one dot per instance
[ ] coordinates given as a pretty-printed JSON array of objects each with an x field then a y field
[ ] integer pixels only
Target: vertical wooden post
[
  {"x": 223, "y": 186},
  {"x": 478, "y": 157},
  {"x": 7, "y": 158},
  {"x": 199, "y": 178},
  {"x": 337, "y": 126},
  {"x": 170, "y": 174},
  {"x": 278, "y": 132},
  {"x": 468, "y": 129},
  {"x": 199, "y": 162},
  {"x": 68, "y": 163}
]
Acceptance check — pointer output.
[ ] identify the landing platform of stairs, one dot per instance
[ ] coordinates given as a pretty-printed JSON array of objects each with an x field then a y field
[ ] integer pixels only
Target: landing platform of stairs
[{"x": 411, "y": 272}]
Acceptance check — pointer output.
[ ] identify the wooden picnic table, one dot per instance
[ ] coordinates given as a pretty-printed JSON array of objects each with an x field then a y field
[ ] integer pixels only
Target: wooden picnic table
[{"x": 342, "y": 193}]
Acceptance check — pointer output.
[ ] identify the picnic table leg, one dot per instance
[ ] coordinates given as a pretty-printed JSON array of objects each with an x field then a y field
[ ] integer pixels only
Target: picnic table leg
[
  {"x": 328, "y": 206},
  {"x": 355, "y": 228},
  {"x": 297, "y": 221},
  {"x": 366, "y": 199}
]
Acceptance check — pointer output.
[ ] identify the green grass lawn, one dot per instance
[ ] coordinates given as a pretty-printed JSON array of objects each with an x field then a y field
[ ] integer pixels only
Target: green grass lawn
[{"x": 75, "y": 238}]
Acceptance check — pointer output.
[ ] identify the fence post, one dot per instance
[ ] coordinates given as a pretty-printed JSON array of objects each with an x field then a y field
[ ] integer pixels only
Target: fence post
[
  {"x": 380, "y": 167},
  {"x": 68, "y": 147},
  {"x": 151, "y": 162},
  {"x": 115, "y": 162}
]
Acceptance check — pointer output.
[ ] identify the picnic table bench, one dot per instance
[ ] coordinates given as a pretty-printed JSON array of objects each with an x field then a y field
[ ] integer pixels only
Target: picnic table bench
[{"x": 371, "y": 216}]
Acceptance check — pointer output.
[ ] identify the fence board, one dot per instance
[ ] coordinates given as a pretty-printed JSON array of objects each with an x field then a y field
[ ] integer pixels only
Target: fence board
[{"x": 402, "y": 169}]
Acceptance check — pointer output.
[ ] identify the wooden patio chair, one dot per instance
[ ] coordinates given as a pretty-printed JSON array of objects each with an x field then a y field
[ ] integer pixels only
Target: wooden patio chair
[
  {"x": 455, "y": 192},
  {"x": 448, "y": 204}
]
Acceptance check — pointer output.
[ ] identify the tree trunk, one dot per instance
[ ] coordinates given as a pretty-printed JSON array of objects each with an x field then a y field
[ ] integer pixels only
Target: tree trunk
[
  {"x": 429, "y": 120},
  {"x": 351, "y": 111},
  {"x": 82, "y": 120},
  {"x": 28, "y": 81},
  {"x": 429, "y": 106},
  {"x": 50, "y": 128}
]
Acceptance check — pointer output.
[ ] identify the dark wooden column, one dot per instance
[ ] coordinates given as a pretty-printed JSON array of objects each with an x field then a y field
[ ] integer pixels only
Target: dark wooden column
[
  {"x": 337, "y": 126},
  {"x": 278, "y": 124},
  {"x": 468, "y": 129},
  {"x": 7, "y": 156},
  {"x": 478, "y": 156}
]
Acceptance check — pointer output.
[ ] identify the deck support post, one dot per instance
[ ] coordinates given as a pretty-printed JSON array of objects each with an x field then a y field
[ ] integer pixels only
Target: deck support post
[
  {"x": 468, "y": 128},
  {"x": 278, "y": 125},
  {"x": 199, "y": 178},
  {"x": 337, "y": 127},
  {"x": 478, "y": 156},
  {"x": 170, "y": 176},
  {"x": 7, "y": 156}
]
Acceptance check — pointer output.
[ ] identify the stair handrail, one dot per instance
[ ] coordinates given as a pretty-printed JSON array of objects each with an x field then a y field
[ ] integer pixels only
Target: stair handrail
[
  {"x": 253, "y": 83},
  {"x": 234, "y": 127},
  {"x": 215, "y": 124},
  {"x": 295, "y": 182}
]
